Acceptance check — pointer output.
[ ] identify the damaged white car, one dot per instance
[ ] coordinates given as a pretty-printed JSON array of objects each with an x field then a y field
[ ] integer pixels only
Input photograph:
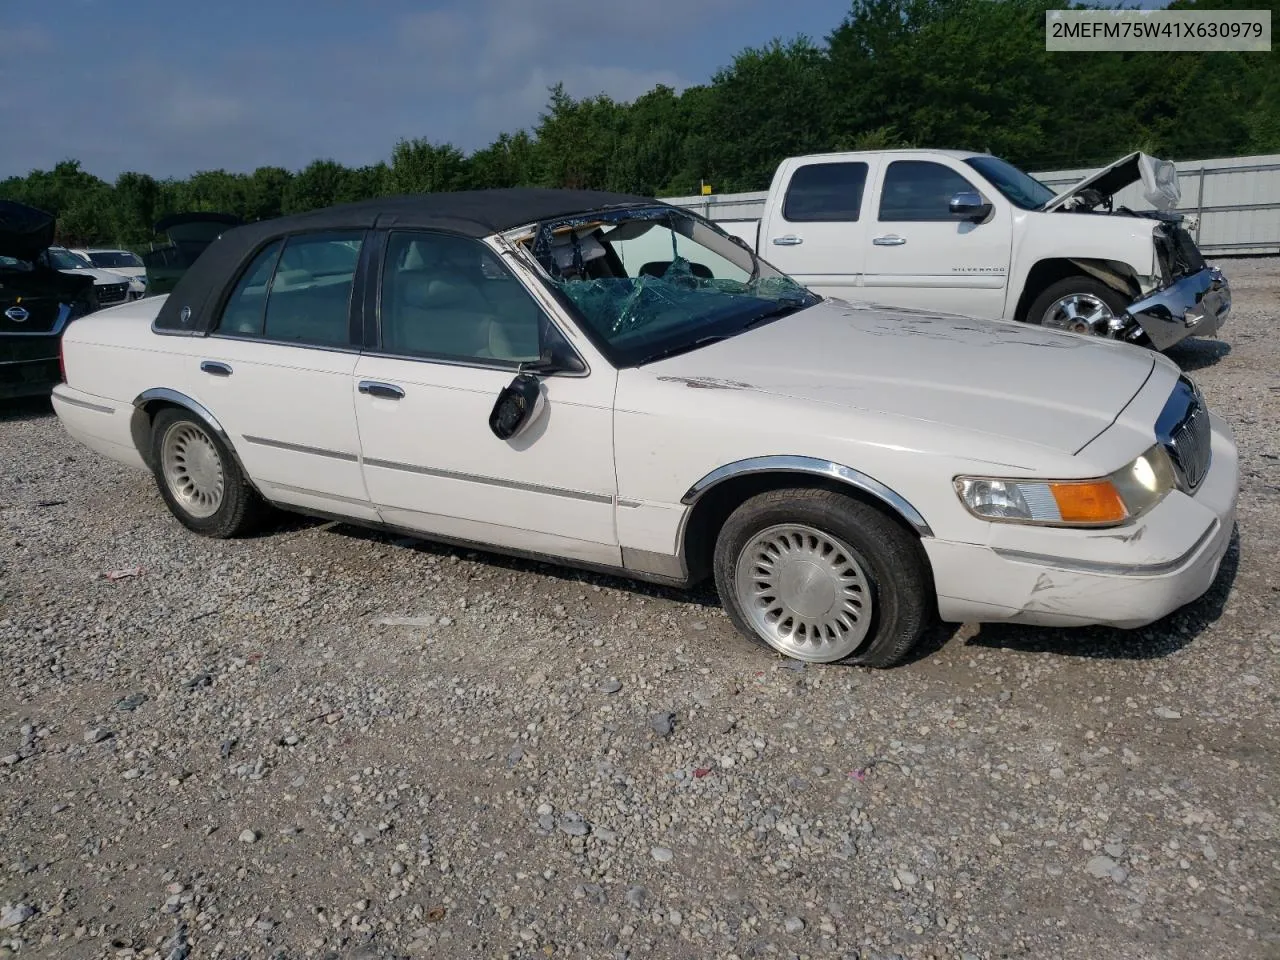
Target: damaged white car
[{"x": 611, "y": 382}]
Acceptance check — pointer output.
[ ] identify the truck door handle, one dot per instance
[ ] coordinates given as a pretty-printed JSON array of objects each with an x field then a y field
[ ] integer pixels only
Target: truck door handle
[
  {"x": 790, "y": 240},
  {"x": 889, "y": 240},
  {"x": 215, "y": 368},
  {"x": 387, "y": 391}
]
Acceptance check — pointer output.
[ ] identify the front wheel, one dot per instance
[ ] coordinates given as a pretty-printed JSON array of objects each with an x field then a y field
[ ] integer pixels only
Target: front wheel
[
  {"x": 199, "y": 479},
  {"x": 1079, "y": 305},
  {"x": 822, "y": 577}
]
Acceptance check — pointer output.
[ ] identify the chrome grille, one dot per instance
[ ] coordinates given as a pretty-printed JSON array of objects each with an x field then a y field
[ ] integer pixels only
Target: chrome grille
[
  {"x": 111, "y": 293},
  {"x": 1183, "y": 430}
]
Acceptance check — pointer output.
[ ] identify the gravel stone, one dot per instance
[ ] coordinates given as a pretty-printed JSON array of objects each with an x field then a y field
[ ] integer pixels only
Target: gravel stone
[
  {"x": 793, "y": 925},
  {"x": 248, "y": 836},
  {"x": 661, "y": 854},
  {"x": 15, "y": 915},
  {"x": 663, "y": 723}
]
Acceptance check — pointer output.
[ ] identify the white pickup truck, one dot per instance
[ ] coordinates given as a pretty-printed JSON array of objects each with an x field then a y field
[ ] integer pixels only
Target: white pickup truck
[{"x": 971, "y": 234}]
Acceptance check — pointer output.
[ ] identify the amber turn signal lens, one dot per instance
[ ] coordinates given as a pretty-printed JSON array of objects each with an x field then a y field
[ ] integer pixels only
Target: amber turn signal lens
[{"x": 1093, "y": 502}]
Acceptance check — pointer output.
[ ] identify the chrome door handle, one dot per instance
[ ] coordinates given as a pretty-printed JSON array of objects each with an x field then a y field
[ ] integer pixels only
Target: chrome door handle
[
  {"x": 374, "y": 388},
  {"x": 790, "y": 240},
  {"x": 215, "y": 368},
  {"x": 891, "y": 240}
]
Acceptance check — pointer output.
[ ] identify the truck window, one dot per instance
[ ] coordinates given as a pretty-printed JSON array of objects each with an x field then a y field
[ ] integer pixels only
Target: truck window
[
  {"x": 830, "y": 192},
  {"x": 919, "y": 190}
]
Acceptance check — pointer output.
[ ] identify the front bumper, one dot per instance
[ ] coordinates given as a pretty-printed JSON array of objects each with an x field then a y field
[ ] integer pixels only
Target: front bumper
[
  {"x": 1195, "y": 306},
  {"x": 1125, "y": 576}
]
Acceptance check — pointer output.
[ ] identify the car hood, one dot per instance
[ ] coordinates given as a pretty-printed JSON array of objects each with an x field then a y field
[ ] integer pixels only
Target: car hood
[
  {"x": 99, "y": 276},
  {"x": 1055, "y": 390},
  {"x": 1159, "y": 183}
]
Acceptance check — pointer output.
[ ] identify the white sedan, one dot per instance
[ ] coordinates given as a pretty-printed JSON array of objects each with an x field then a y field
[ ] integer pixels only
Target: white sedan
[{"x": 613, "y": 383}]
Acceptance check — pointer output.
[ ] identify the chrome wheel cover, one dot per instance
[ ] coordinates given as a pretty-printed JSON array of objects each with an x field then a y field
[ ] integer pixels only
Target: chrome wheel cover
[
  {"x": 1080, "y": 313},
  {"x": 192, "y": 469},
  {"x": 804, "y": 593}
]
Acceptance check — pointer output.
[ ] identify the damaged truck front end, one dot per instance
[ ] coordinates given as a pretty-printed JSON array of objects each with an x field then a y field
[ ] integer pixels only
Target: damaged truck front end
[{"x": 1187, "y": 297}]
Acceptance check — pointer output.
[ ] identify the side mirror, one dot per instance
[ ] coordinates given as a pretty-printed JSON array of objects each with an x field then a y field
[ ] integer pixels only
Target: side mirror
[
  {"x": 969, "y": 205},
  {"x": 517, "y": 407}
]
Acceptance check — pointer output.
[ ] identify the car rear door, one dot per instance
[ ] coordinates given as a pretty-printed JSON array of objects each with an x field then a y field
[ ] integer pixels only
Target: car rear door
[
  {"x": 814, "y": 228},
  {"x": 920, "y": 255},
  {"x": 453, "y": 325},
  {"x": 276, "y": 372}
]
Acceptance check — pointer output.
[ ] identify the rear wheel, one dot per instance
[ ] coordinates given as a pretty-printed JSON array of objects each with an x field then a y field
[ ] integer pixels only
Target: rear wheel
[
  {"x": 199, "y": 479},
  {"x": 822, "y": 577}
]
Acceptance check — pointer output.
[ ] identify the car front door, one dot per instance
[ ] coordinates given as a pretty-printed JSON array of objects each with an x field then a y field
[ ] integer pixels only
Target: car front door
[
  {"x": 454, "y": 324},
  {"x": 276, "y": 373},
  {"x": 816, "y": 233},
  {"x": 920, "y": 255}
]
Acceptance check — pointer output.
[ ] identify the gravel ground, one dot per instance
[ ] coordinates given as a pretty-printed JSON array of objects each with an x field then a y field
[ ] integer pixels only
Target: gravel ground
[{"x": 241, "y": 752}]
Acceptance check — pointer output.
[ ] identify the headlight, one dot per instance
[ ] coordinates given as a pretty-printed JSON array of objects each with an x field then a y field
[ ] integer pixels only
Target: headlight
[{"x": 1106, "y": 501}]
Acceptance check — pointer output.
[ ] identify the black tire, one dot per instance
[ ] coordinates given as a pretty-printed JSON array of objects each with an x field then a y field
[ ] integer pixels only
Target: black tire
[
  {"x": 241, "y": 510},
  {"x": 1116, "y": 302},
  {"x": 891, "y": 557}
]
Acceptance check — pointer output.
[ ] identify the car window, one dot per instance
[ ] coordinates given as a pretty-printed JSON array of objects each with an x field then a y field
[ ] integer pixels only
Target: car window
[
  {"x": 829, "y": 192},
  {"x": 310, "y": 297},
  {"x": 106, "y": 259},
  {"x": 917, "y": 190},
  {"x": 243, "y": 314},
  {"x": 449, "y": 297}
]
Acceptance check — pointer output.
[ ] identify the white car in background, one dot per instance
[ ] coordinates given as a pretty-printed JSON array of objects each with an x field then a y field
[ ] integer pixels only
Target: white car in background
[
  {"x": 109, "y": 288},
  {"x": 124, "y": 262},
  {"x": 534, "y": 372}
]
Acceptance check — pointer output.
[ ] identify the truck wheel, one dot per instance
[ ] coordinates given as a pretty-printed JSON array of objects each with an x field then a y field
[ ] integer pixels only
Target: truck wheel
[
  {"x": 199, "y": 479},
  {"x": 822, "y": 577},
  {"x": 1078, "y": 304}
]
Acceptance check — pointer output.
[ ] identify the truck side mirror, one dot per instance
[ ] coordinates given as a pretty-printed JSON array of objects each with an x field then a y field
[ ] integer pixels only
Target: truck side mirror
[{"x": 969, "y": 205}]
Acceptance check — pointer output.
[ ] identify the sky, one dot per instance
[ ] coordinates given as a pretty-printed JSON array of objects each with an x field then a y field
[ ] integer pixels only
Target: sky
[{"x": 169, "y": 87}]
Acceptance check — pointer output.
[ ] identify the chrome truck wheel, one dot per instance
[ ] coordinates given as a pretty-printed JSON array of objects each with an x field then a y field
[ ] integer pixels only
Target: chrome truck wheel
[
  {"x": 1081, "y": 305},
  {"x": 1080, "y": 313}
]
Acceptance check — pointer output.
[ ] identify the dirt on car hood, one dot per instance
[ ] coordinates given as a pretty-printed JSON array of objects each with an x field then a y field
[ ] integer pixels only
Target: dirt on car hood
[{"x": 1051, "y": 389}]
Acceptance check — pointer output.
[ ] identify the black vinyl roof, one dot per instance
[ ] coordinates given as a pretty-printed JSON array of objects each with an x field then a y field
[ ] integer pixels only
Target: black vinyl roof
[
  {"x": 471, "y": 213},
  {"x": 474, "y": 213}
]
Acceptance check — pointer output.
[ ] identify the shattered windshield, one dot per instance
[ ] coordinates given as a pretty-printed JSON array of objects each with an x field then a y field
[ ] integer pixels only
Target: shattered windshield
[
  {"x": 650, "y": 283},
  {"x": 1018, "y": 187}
]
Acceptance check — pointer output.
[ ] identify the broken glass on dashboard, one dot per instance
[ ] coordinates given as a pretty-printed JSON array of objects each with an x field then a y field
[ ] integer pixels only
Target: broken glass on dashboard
[{"x": 650, "y": 283}]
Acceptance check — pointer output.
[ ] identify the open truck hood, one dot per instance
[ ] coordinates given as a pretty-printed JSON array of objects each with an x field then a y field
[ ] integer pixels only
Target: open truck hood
[{"x": 1159, "y": 184}]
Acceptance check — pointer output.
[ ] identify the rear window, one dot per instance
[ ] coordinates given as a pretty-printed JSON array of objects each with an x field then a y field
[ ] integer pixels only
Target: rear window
[{"x": 825, "y": 192}]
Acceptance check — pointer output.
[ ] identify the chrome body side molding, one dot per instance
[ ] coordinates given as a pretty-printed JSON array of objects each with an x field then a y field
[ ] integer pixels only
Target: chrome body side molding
[{"x": 812, "y": 466}]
